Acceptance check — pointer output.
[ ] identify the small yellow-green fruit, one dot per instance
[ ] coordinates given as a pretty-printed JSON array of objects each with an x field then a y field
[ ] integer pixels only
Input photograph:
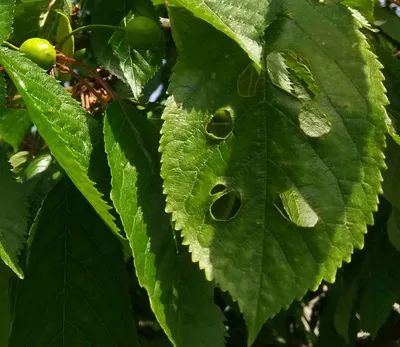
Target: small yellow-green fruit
[
  {"x": 143, "y": 33},
  {"x": 80, "y": 54},
  {"x": 40, "y": 51}
]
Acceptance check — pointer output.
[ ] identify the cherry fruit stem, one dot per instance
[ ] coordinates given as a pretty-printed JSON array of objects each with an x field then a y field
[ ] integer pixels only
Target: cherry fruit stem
[
  {"x": 10, "y": 45},
  {"x": 89, "y": 27}
]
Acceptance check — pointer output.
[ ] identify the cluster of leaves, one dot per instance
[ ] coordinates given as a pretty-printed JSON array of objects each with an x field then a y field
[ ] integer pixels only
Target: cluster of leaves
[{"x": 205, "y": 191}]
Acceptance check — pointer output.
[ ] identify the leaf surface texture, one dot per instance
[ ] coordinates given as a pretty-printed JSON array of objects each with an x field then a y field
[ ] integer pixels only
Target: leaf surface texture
[
  {"x": 73, "y": 136},
  {"x": 76, "y": 284},
  {"x": 180, "y": 296},
  {"x": 13, "y": 216},
  {"x": 321, "y": 142}
]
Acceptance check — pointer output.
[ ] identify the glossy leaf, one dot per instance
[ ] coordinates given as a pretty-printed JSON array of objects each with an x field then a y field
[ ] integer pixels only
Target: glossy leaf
[
  {"x": 14, "y": 123},
  {"x": 371, "y": 285},
  {"x": 72, "y": 135},
  {"x": 380, "y": 289},
  {"x": 392, "y": 81},
  {"x": 388, "y": 22},
  {"x": 345, "y": 309},
  {"x": 42, "y": 20},
  {"x": 27, "y": 26},
  {"x": 134, "y": 67},
  {"x": 393, "y": 228},
  {"x": 75, "y": 285},
  {"x": 38, "y": 165},
  {"x": 13, "y": 216},
  {"x": 3, "y": 93},
  {"x": 367, "y": 288},
  {"x": 180, "y": 296},
  {"x": 391, "y": 175},
  {"x": 278, "y": 143},
  {"x": 38, "y": 177},
  {"x": 365, "y": 7},
  {"x": 6, "y": 19},
  {"x": 327, "y": 334},
  {"x": 5, "y": 304},
  {"x": 242, "y": 20},
  {"x": 64, "y": 28}
]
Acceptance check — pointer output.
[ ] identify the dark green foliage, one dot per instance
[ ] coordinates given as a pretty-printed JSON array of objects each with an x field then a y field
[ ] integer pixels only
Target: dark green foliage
[{"x": 75, "y": 281}]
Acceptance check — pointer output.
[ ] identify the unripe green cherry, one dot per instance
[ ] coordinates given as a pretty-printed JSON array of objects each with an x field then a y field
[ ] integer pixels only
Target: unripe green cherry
[
  {"x": 80, "y": 54},
  {"x": 143, "y": 33},
  {"x": 40, "y": 51}
]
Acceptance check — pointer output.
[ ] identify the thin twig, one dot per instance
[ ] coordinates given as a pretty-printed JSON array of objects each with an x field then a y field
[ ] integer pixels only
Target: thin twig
[
  {"x": 75, "y": 75},
  {"x": 64, "y": 59}
]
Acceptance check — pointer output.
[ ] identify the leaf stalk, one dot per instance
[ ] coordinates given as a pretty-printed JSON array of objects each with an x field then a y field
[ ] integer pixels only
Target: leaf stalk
[
  {"x": 89, "y": 27},
  {"x": 10, "y": 45}
]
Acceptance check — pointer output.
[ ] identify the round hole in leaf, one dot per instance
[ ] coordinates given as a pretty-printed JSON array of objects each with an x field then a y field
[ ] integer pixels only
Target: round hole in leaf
[
  {"x": 292, "y": 206},
  {"x": 313, "y": 121},
  {"x": 226, "y": 207},
  {"x": 291, "y": 72},
  {"x": 219, "y": 188},
  {"x": 220, "y": 124}
]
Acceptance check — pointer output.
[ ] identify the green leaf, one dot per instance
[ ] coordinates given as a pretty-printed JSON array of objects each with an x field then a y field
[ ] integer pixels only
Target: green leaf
[
  {"x": 392, "y": 81},
  {"x": 38, "y": 165},
  {"x": 223, "y": 187},
  {"x": 38, "y": 178},
  {"x": 72, "y": 135},
  {"x": 391, "y": 178},
  {"x": 393, "y": 228},
  {"x": 14, "y": 123},
  {"x": 41, "y": 22},
  {"x": 13, "y": 215},
  {"x": 380, "y": 287},
  {"x": 328, "y": 335},
  {"x": 3, "y": 93},
  {"x": 6, "y": 20},
  {"x": 365, "y": 7},
  {"x": 242, "y": 20},
  {"x": 344, "y": 312},
  {"x": 18, "y": 162},
  {"x": 64, "y": 28},
  {"x": 134, "y": 67},
  {"x": 388, "y": 22},
  {"x": 180, "y": 296},
  {"x": 25, "y": 26},
  {"x": 75, "y": 286},
  {"x": 49, "y": 19},
  {"x": 5, "y": 307}
]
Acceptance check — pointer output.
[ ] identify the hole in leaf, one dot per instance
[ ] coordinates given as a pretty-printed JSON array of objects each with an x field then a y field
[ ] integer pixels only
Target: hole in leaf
[
  {"x": 290, "y": 72},
  {"x": 278, "y": 71},
  {"x": 219, "y": 188},
  {"x": 220, "y": 124},
  {"x": 248, "y": 81},
  {"x": 313, "y": 122},
  {"x": 296, "y": 208},
  {"x": 226, "y": 207}
]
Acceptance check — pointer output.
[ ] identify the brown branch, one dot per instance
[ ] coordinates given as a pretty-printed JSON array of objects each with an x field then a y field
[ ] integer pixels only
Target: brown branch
[
  {"x": 75, "y": 75},
  {"x": 61, "y": 58}
]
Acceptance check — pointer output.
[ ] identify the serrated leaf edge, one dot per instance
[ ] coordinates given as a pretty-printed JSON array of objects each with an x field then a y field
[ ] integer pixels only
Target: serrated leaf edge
[{"x": 178, "y": 217}]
